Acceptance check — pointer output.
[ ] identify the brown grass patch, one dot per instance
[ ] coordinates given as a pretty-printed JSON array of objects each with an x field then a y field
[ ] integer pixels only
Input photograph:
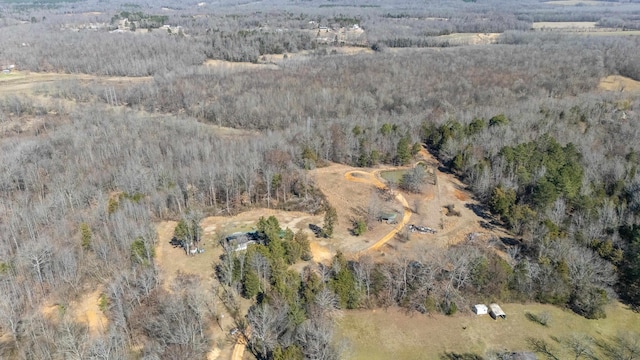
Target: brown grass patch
[
  {"x": 25, "y": 81},
  {"x": 618, "y": 83},
  {"x": 395, "y": 334},
  {"x": 87, "y": 311},
  {"x": 320, "y": 253}
]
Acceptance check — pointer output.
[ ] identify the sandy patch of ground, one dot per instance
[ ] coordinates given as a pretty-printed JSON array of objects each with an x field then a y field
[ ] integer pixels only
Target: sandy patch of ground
[
  {"x": 460, "y": 195},
  {"x": 85, "y": 310},
  {"x": 321, "y": 254},
  {"x": 51, "y": 312},
  {"x": 213, "y": 354},
  {"x": 88, "y": 312},
  {"x": 619, "y": 83}
]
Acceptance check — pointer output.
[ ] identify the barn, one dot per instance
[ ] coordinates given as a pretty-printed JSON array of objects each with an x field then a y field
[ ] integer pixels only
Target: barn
[
  {"x": 496, "y": 311},
  {"x": 480, "y": 309}
]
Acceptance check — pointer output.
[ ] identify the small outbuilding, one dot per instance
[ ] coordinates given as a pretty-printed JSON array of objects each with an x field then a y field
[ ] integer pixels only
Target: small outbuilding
[
  {"x": 496, "y": 311},
  {"x": 480, "y": 309},
  {"x": 240, "y": 241},
  {"x": 389, "y": 218}
]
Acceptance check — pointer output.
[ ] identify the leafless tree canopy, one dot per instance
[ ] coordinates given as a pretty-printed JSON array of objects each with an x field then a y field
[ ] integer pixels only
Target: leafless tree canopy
[{"x": 107, "y": 128}]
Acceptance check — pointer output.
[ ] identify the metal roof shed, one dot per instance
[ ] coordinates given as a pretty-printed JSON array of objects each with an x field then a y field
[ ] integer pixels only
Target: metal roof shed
[
  {"x": 496, "y": 311},
  {"x": 480, "y": 309}
]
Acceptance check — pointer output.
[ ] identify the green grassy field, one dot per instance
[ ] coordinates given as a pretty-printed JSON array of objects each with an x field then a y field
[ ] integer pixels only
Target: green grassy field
[
  {"x": 394, "y": 334},
  {"x": 393, "y": 176}
]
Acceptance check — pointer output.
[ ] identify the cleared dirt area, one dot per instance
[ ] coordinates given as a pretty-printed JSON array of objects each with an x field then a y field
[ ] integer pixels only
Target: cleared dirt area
[
  {"x": 87, "y": 311},
  {"x": 21, "y": 82},
  {"x": 351, "y": 200},
  {"x": 350, "y": 190},
  {"x": 619, "y": 83},
  {"x": 170, "y": 260},
  {"x": 395, "y": 334}
]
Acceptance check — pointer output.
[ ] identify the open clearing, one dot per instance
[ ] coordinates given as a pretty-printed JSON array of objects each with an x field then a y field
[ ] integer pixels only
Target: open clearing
[
  {"x": 459, "y": 39},
  {"x": 26, "y": 82},
  {"x": 350, "y": 190},
  {"x": 395, "y": 334},
  {"x": 170, "y": 260},
  {"x": 564, "y": 25},
  {"x": 87, "y": 311},
  {"x": 619, "y": 83}
]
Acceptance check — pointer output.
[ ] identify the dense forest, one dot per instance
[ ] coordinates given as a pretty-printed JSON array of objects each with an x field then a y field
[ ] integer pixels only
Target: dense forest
[{"x": 88, "y": 167}]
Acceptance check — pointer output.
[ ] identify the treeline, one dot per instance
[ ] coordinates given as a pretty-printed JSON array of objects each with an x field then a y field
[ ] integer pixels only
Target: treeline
[
  {"x": 100, "y": 53},
  {"x": 145, "y": 21},
  {"x": 249, "y": 45},
  {"x": 438, "y": 282},
  {"x": 419, "y": 31},
  {"x": 547, "y": 192}
]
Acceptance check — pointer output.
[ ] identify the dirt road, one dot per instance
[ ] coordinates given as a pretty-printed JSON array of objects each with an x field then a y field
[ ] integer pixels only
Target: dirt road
[
  {"x": 238, "y": 349},
  {"x": 370, "y": 178}
]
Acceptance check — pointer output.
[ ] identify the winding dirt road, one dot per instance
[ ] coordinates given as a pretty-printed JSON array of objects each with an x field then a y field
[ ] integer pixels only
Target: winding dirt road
[
  {"x": 238, "y": 349},
  {"x": 370, "y": 178}
]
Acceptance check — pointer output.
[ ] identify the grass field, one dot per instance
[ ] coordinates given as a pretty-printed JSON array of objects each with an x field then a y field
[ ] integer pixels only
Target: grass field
[
  {"x": 394, "y": 334},
  {"x": 619, "y": 83},
  {"x": 393, "y": 176},
  {"x": 564, "y": 25}
]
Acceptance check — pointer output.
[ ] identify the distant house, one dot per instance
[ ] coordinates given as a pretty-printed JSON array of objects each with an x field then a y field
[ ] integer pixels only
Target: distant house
[
  {"x": 480, "y": 309},
  {"x": 7, "y": 65},
  {"x": 240, "y": 241},
  {"x": 496, "y": 311}
]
